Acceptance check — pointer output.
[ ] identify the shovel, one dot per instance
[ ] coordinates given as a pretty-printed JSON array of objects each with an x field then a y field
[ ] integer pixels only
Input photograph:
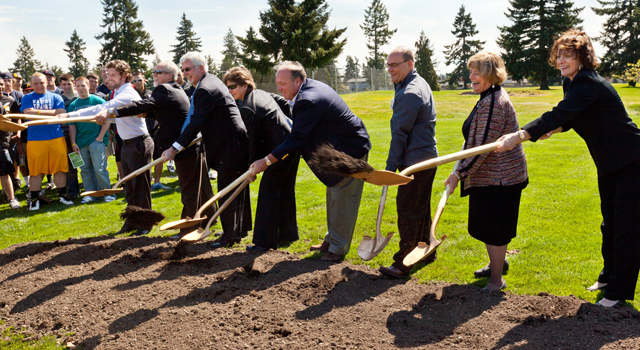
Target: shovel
[
  {"x": 200, "y": 234},
  {"x": 369, "y": 248},
  {"x": 115, "y": 189},
  {"x": 188, "y": 222},
  {"x": 6, "y": 125},
  {"x": 423, "y": 249},
  {"x": 29, "y": 116}
]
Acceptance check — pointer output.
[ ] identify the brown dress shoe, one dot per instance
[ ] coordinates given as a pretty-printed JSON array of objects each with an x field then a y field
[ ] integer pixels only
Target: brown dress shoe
[
  {"x": 323, "y": 247},
  {"x": 394, "y": 272},
  {"x": 331, "y": 257}
]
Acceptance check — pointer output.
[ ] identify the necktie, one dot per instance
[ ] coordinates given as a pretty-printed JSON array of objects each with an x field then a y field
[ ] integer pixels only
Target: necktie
[{"x": 186, "y": 121}]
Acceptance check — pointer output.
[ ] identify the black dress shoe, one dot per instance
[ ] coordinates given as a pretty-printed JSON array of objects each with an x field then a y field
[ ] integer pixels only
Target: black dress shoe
[
  {"x": 141, "y": 232},
  {"x": 224, "y": 243},
  {"x": 125, "y": 228},
  {"x": 394, "y": 272},
  {"x": 486, "y": 271},
  {"x": 256, "y": 249}
]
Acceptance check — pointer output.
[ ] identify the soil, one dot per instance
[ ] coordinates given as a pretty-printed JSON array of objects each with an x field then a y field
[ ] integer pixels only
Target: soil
[{"x": 140, "y": 293}]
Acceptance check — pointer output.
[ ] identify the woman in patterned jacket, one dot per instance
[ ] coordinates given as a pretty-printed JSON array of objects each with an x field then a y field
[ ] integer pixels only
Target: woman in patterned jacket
[{"x": 493, "y": 181}]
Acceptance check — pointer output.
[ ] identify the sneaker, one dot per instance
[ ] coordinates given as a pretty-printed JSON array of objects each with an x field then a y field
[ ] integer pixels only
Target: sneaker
[
  {"x": 41, "y": 193},
  {"x": 34, "y": 205},
  {"x": 65, "y": 201},
  {"x": 213, "y": 174},
  {"x": 14, "y": 204},
  {"x": 109, "y": 198},
  {"x": 171, "y": 167},
  {"x": 50, "y": 186},
  {"x": 86, "y": 200},
  {"x": 159, "y": 186}
]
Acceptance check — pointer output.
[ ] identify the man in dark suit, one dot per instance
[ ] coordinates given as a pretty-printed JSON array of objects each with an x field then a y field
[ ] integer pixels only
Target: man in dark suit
[
  {"x": 169, "y": 106},
  {"x": 321, "y": 116},
  {"x": 214, "y": 113}
]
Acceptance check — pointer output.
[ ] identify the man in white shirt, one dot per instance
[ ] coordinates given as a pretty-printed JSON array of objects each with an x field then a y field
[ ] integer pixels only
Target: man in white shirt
[{"x": 137, "y": 145}]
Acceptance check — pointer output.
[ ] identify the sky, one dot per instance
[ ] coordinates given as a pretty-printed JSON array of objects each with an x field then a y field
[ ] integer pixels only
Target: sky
[{"x": 47, "y": 25}]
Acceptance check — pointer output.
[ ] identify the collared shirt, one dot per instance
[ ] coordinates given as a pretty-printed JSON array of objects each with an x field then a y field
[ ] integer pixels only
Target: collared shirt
[
  {"x": 188, "y": 119},
  {"x": 295, "y": 98},
  {"x": 128, "y": 127}
]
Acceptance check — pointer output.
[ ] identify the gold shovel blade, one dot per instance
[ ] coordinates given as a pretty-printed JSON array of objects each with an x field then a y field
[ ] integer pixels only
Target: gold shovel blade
[
  {"x": 184, "y": 223},
  {"x": 383, "y": 178},
  {"x": 422, "y": 251},
  {"x": 369, "y": 247},
  {"x": 6, "y": 125},
  {"x": 102, "y": 193},
  {"x": 196, "y": 235}
]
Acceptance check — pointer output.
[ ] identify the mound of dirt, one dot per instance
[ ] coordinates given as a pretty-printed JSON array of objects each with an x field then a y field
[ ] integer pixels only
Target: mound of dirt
[{"x": 151, "y": 293}]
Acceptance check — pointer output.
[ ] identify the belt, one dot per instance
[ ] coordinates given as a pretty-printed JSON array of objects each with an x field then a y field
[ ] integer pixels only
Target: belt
[{"x": 137, "y": 138}]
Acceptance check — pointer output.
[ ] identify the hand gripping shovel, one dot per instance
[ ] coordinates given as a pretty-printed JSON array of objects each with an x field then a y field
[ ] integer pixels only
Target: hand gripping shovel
[
  {"x": 188, "y": 222},
  {"x": 115, "y": 189},
  {"x": 200, "y": 234},
  {"x": 369, "y": 248},
  {"x": 6, "y": 125}
]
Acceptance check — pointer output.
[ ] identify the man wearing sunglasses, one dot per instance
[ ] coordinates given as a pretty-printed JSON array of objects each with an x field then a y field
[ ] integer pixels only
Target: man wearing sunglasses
[
  {"x": 214, "y": 113},
  {"x": 168, "y": 105}
]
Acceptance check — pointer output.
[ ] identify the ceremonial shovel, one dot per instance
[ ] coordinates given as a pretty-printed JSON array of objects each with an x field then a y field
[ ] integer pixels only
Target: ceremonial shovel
[
  {"x": 188, "y": 222},
  {"x": 6, "y": 125},
  {"x": 115, "y": 189},
  {"x": 29, "y": 116},
  {"x": 370, "y": 247},
  {"x": 202, "y": 234}
]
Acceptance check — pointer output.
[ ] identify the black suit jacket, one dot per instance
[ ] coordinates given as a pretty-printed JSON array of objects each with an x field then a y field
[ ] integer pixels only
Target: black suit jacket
[
  {"x": 593, "y": 108},
  {"x": 216, "y": 115},
  {"x": 267, "y": 125},
  {"x": 169, "y": 106},
  {"x": 321, "y": 116}
]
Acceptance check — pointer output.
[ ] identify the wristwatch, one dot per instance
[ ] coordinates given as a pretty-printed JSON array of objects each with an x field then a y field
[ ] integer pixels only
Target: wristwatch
[
  {"x": 521, "y": 134},
  {"x": 266, "y": 159},
  {"x": 174, "y": 148}
]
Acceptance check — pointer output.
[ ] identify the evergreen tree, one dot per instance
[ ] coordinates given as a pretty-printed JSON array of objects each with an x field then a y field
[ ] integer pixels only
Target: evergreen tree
[
  {"x": 155, "y": 62},
  {"x": 249, "y": 56},
  {"x": 459, "y": 52},
  {"x": 376, "y": 29},
  {"x": 26, "y": 64},
  {"x": 297, "y": 32},
  {"x": 528, "y": 41},
  {"x": 187, "y": 40},
  {"x": 75, "y": 47},
  {"x": 351, "y": 70},
  {"x": 124, "y": 36},
  {"x": 231, "y": 52},
  {"x": 620, "y": 35},
  {"x": 211, "y": 65},
  {"x": 425, "y": 63}
]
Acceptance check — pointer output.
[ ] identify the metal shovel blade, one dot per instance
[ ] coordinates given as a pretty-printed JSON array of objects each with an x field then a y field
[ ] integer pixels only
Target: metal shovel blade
[
  {"x": 383, "y": 178},
  {"x": 6, "y": 125},
  {"x": 369, "y": 248},
  {"x": 422, "y": 251},
  {"x": 184, "y": 223}
]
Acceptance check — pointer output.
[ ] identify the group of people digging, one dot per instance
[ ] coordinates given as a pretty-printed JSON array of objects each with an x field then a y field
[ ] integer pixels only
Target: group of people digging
[{"x": 246, "y": 128}]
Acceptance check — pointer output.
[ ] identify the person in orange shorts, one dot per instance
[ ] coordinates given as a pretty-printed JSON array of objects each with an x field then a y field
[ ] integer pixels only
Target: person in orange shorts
[{"x": 46, "y": 147}]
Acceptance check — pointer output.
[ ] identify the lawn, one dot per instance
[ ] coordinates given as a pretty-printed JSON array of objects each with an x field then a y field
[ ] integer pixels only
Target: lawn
[{"x": 558, "y": 245}]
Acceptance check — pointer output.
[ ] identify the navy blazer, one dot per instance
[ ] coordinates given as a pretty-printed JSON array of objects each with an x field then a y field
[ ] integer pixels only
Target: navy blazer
[
  {"x": 168, "y": 105},
  {"x": 320, "y": 116},
  {"x": 593, "y": 108},
  {"x": 216, "y": 115}
]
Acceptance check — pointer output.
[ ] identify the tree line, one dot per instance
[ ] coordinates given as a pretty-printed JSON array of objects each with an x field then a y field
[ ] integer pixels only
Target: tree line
[{"x": 298, "y": 30}]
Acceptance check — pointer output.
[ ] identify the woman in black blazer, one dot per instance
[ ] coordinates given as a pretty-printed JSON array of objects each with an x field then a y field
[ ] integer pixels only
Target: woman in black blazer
[
  {"x": 592, "y": 107},
  {"x": 265, "y": 116}
]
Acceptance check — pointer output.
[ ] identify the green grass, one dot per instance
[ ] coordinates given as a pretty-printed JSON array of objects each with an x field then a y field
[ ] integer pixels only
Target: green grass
[
  {"x": 15, "y": 340},
  {"x": 558, "y": 240}
]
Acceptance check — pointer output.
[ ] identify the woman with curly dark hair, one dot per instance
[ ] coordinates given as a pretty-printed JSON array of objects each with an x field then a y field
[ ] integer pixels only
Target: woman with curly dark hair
[{"x": 592, "y": 107}]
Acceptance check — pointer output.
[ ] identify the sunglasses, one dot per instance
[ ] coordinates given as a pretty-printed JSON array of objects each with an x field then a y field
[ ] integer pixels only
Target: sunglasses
[
  {"x": 231, "y": 87},
  {"x": 187, "y": 69},
  {"x": 158, "y": 72},
  {"x": 395, "y": 65},
  {"x": 136, "y": 80}
]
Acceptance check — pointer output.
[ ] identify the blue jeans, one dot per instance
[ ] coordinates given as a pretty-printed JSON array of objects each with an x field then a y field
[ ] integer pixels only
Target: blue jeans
[{"x": 94, "y": 172}]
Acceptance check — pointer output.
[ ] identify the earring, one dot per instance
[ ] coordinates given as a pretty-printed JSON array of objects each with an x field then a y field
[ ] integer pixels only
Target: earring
[
  {"x": 580, "y": 68},
  {"x": 493, "y": 86}
]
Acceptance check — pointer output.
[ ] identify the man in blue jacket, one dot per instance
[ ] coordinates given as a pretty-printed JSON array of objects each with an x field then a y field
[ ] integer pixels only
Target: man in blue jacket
[{"x": 320, "y": 116}]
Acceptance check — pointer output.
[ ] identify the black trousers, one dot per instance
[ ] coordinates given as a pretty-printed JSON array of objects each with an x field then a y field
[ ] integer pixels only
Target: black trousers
[
  {"x": 236, "y": 219},
  {"x": 73, "y": 186},
  {"x": 193, "y": 174},
  {"x": 276, "y": 212},
  {"x": 620, "y": 206},
  {"x": 135, "y": 155},
  {"x": 414, "y": 214}
]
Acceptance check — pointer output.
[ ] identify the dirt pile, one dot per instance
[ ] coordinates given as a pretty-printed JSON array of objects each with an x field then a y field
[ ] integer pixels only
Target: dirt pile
[{"x": 142, "y": 293}]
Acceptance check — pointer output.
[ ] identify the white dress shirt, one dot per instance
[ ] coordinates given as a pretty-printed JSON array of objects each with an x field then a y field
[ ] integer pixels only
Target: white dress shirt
[{"x": 128, "y": 127}]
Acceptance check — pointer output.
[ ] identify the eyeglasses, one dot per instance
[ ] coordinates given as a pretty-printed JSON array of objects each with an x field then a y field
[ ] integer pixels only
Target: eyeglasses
[
  {"x": 137, "y": 80},
  {"x": 232, "y": 87},
  {"x": 187, "y": 69},
  {"x": 158, "y": 72},
  {"x": 395, "y": 65}
]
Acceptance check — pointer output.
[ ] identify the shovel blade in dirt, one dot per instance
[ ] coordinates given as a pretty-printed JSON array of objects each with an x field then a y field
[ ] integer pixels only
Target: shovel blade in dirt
[{"x": 422, "y": 251}]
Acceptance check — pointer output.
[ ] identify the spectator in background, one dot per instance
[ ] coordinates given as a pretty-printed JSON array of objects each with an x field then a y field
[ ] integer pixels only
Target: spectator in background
[
  {"x": 89, "y": 140},
  {"x": 46, "y": 149},
  {"x": 10, "y": 105},
  {"x": 68, "y": 96},
  {"x": 6, "y": 167},
  {"x": 94, "y": 81},
  {"x": 8, "y": 88},
  {"x": 51, "y": 82},
  {"x": 103, "y": 88},
  {"x": 17, "y": 82}
]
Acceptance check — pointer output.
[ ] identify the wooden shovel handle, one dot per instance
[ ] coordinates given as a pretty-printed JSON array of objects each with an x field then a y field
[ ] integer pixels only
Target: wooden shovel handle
[
  {"x": 148, "y": 166},
  {"x": 223, "y": 192},
  {"x": 432, "y": 163},
  {"x": 29, "y": 116},
  {"x": 226, "y": 203}
]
